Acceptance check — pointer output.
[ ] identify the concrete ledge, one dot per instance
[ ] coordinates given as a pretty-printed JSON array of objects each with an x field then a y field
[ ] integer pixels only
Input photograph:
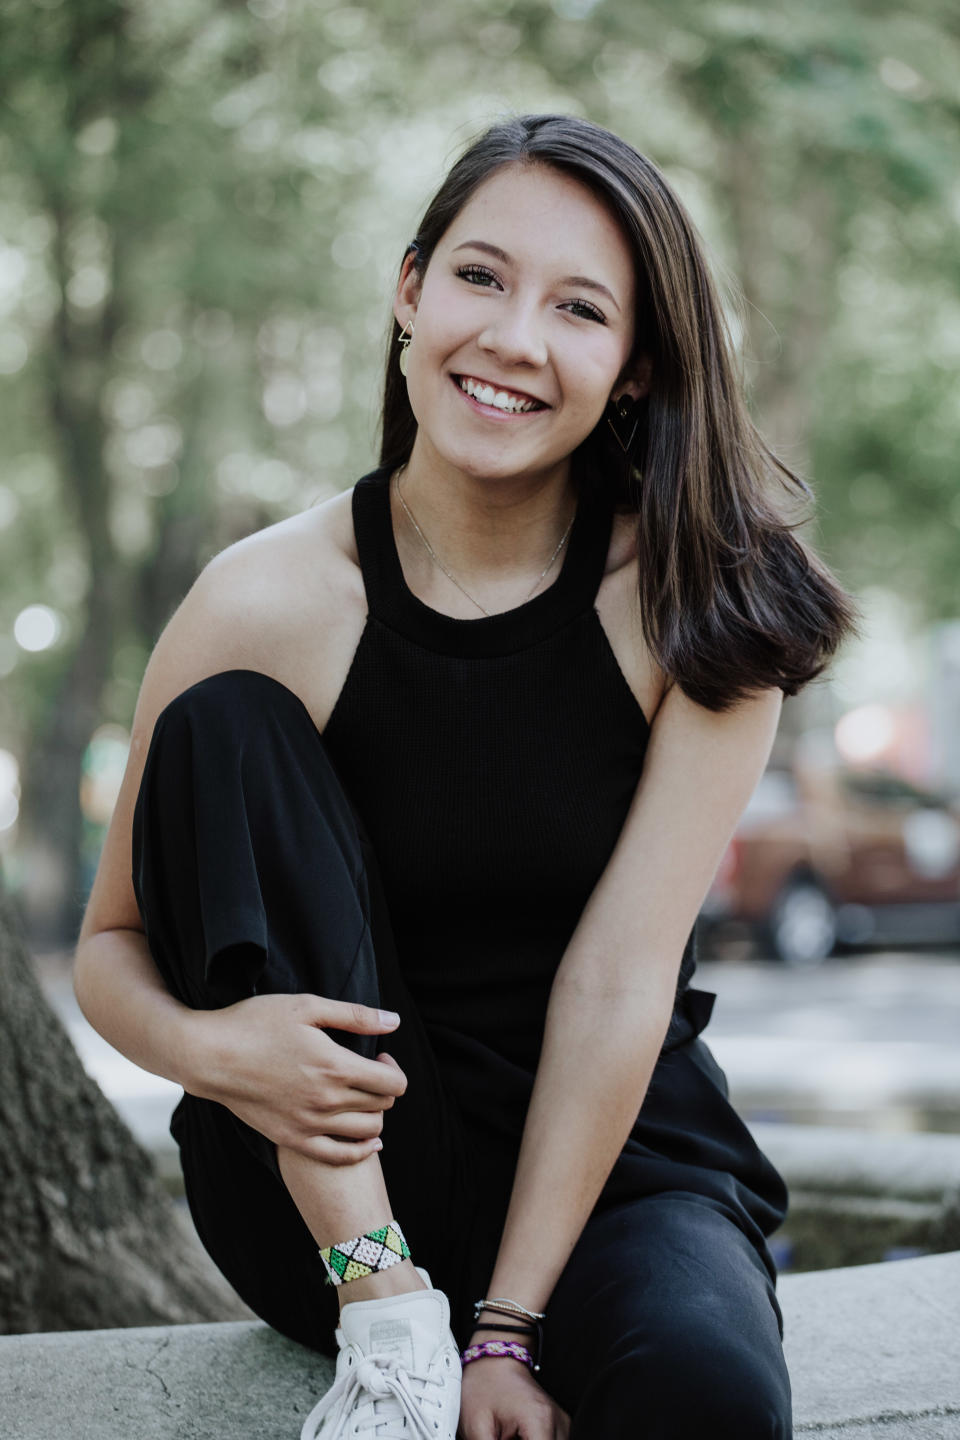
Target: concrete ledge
[
  {"x": 239, "y": 1381},
  {"x": 873, "y": 1351},
  {"x": 908, "y": 1165}
]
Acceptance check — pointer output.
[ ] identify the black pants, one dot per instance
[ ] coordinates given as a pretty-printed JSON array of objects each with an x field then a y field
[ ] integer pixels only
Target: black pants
[{"x": 254, "y": 876}]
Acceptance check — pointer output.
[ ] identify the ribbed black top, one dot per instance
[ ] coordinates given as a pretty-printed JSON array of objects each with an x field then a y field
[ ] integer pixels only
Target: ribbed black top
[{"x": 492, "y": 762}]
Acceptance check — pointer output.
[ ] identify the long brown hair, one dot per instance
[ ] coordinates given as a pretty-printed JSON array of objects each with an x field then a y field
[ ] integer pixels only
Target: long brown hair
[{"x": 731, "y": 600}]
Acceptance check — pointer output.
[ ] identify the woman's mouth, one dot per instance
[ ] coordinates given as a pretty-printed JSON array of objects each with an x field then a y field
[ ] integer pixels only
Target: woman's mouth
[{"x": 487, "y": 397}]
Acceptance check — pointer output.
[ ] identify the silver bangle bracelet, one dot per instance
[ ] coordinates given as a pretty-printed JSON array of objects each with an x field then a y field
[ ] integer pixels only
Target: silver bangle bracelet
[{"x": 500, "y": 1302}]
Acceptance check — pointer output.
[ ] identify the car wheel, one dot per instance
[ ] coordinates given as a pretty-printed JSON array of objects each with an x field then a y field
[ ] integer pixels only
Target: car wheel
[{"x": 802, "y": 927}]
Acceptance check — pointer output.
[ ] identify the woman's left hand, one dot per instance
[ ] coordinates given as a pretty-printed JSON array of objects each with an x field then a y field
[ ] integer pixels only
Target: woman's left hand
[{"x": 500, "y": 1400}]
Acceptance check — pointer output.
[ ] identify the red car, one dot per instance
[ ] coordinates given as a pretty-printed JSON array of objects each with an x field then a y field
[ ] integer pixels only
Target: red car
[{"x": 830, "y": 858}]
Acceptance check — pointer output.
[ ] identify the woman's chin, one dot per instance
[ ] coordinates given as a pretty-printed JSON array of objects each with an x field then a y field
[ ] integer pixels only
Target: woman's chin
[{"x": 497, "y": 463}]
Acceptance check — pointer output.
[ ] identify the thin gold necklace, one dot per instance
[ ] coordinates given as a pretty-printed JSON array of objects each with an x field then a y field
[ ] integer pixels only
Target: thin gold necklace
[{"x": 436, "y": 558}]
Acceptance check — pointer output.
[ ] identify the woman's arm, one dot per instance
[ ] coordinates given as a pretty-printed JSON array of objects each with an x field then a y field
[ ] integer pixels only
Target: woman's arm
[
  {"x": 122, "y": 996},
  {"x": 613, "y": 994},
  {"x": 267, "y": 1057}
]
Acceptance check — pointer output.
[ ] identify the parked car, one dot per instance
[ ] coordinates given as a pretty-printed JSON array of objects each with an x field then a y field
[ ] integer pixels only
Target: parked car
[{"x": 823, "y": 859}]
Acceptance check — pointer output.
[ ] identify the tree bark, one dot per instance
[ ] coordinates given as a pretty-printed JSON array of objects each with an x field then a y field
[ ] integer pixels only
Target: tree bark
[{"x": 88, "y": 1239}]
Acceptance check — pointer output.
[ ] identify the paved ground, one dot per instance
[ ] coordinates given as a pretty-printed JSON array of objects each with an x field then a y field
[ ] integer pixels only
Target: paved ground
[{"x": 869, "y": 1040}]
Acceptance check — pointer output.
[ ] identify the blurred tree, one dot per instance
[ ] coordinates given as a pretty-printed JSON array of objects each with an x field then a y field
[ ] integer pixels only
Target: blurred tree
[
  {"x": 88, "y": 1239},
  {"x": 122, "y": 130},
  {"x": 840, "y": 143},
  {"x": 206, "y": 207}
]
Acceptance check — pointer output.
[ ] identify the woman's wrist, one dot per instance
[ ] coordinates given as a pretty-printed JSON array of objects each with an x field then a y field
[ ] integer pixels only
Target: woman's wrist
[
  {"x": 503, "y": 1327},
  {"x": 198, "y": 1054},
  {"x": 503, "y": 1349},
  {"x": 495, "y": 1331},
  {"x": 509, "y": 1302}
]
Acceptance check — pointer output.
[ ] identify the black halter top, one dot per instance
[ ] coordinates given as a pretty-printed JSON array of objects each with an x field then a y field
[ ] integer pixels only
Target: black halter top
[{"x": 492, "y": 763}]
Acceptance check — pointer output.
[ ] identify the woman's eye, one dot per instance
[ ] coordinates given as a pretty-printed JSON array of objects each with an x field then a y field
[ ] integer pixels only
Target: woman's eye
[
  {"x": 477, "y": 275},
  {"x": 480, "y": 275},
  {"x": 588, "y": 311}
]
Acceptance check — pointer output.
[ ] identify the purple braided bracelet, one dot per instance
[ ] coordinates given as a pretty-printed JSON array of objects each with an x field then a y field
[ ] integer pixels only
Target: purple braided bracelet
[{"x": 498, "y": 1347}]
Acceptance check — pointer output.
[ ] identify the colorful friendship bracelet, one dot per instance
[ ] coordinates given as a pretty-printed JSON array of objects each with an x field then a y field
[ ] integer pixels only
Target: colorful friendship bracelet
[
  {"x": 365, "y": 1254},
  {"x": 507, "y": 1348}
]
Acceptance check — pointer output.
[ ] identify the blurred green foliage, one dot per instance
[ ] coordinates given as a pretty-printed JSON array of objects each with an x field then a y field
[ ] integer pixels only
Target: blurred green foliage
[{"x": 205, "y": 204}]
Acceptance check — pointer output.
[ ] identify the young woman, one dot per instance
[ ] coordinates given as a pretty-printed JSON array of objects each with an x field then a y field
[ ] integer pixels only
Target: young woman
[{"x": 466, "y": 744}]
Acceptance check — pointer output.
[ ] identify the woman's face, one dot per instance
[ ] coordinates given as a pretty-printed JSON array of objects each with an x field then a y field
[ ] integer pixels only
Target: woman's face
[{"x": 523, "y": 325}]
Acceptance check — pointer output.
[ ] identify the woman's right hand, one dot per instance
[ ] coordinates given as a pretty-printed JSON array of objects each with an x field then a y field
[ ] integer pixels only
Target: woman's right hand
[{"x": 269, "y": 1060}]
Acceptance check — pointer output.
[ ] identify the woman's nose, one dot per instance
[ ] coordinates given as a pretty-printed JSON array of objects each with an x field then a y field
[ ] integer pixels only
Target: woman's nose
[{"x": 514, "y": 335}]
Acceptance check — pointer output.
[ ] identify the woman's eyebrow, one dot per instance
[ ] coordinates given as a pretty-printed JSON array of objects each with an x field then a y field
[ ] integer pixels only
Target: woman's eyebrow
[{"x": 583, "y": 281}]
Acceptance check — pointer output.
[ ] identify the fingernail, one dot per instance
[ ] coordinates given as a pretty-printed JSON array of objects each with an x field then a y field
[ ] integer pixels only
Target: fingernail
[
  {"x": 389, "y": 1017},
  {"x": 378, "y": 1144}
]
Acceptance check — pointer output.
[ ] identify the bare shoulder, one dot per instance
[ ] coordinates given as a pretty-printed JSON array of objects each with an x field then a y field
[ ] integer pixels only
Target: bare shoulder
[
  {"x": 284, "y": 579},
  {"x": 288, "y": 601},
  {"x": 315, "y": 547}
]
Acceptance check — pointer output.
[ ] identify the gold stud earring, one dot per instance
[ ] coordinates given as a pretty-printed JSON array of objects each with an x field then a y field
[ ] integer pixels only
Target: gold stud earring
[{"x": 403, "y": 340}]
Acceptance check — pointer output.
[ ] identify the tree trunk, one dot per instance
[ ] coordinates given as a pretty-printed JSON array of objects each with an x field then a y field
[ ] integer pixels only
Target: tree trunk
[{"x": 88, "y": 1239}]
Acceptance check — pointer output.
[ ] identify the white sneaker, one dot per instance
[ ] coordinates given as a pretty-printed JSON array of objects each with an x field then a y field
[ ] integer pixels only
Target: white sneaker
[{"x": 398, "y": 1371}]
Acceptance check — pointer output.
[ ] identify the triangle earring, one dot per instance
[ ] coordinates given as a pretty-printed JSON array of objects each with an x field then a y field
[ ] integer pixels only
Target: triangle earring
[
  {"x": 403, "y": 340},
  {"x": 623, "y": 417}
]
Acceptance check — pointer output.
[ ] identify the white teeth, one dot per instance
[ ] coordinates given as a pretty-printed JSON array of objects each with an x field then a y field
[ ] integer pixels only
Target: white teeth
[{"x": 499, "y": 399}]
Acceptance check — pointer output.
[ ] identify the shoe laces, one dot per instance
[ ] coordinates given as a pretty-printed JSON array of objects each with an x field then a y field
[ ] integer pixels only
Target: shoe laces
[{"x": 376, "y": 1396}]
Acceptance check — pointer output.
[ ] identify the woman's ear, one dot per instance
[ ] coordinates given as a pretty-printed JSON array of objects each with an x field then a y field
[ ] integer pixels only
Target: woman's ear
[
  {"x": 635, "y": 382},
  {"x": 407, "y": 298}
]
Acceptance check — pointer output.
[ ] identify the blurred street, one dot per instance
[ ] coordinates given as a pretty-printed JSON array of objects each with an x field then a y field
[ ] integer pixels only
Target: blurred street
[{"x": 868, "y": 1040}]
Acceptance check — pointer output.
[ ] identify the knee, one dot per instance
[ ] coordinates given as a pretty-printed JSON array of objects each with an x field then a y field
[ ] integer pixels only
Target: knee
[
  {"x": 699, "y": 1384},
  {"x": 728, "y": 1392},
  {"x": 226, "y": 730},
  {"x": 231, "y": 702},
  {"x": 199, "y": 725}
]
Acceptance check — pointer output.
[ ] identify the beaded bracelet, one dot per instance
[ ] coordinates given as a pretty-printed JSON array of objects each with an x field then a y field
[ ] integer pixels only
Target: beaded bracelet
[
  {"x": 508, "y": 1348},
  {"x": 365, "y": 1254}
]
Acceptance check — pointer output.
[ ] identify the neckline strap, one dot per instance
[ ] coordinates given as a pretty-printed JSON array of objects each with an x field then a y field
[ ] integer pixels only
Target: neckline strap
[{"x": 391, "y": 601}]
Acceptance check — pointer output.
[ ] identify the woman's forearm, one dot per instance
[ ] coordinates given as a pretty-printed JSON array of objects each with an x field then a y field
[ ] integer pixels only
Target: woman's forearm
[
  {"x": 122, "y": 995},
  {"x": 601, "y": 1043},
  {"x": 267, "y": 1058}
]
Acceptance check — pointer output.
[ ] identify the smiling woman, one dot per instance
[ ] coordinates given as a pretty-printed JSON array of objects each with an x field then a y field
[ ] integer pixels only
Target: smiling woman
[
  {"x": 513, "y": 360},
  {"x": 588, "y": 260},
  {"x": 468, "y": 742}
]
